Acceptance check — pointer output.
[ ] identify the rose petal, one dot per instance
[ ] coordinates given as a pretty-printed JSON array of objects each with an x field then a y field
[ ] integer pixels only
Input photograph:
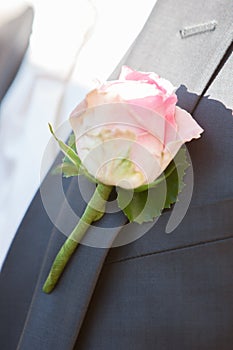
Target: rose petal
[{"x": 187, "y": 127}]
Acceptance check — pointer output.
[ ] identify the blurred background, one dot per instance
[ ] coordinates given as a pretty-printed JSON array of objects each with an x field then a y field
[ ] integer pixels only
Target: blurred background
[{"x": 51, "y": 54}]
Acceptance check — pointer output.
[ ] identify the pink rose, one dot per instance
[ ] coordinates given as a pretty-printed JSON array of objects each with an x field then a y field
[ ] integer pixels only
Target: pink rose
[{"x": 128, "y": 130}]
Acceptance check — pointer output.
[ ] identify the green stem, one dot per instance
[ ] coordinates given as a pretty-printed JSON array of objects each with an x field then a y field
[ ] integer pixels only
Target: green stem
[{"x": 93, "y": 212}]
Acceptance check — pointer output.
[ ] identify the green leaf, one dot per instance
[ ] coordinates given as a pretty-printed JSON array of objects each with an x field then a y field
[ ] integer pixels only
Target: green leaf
[
  {"x": 175, "y": 182},
  {"x": 145, "y": 205}
]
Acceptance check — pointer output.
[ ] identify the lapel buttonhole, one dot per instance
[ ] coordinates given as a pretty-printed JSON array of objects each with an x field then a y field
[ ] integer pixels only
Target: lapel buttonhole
[{"x": 198, "y": 29}]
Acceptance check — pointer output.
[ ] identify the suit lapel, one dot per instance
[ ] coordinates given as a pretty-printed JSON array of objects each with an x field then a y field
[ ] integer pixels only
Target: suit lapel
[{"x": 54, "y": 321}]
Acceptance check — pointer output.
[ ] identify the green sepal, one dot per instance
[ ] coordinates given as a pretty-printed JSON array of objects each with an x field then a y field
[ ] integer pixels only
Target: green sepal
[
  {"x": 67, "y": 150},
  {"x": 71, "y": 165},
  {"x": 66, "y": 169}
]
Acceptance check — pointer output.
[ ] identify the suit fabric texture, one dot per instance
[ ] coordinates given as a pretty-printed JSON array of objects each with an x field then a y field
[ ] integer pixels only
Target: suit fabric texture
[{"x": 162, "y": 291}]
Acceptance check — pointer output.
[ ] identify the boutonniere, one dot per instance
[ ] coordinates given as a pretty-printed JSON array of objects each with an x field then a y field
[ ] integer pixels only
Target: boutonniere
[{"x": 127, "y": 134}]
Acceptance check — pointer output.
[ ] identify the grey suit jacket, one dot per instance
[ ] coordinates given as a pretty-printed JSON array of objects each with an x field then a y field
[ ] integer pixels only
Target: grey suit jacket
[{"x": 161, "y": 291}]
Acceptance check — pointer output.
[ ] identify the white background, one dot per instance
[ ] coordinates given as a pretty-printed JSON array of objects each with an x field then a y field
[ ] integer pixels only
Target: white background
[{"x": 73, "y": 44}]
